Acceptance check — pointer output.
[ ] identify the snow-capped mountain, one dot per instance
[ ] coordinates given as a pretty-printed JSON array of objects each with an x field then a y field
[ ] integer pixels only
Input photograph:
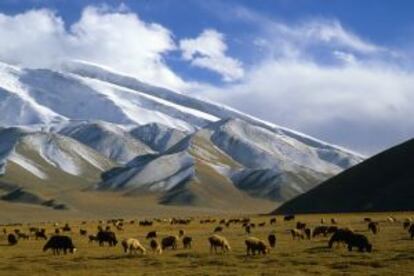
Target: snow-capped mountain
[{"x": 83, "y": 119}]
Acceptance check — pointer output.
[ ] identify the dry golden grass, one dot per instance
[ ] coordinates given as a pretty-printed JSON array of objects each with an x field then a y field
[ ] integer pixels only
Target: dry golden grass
[{"x": 393, "y": 252}]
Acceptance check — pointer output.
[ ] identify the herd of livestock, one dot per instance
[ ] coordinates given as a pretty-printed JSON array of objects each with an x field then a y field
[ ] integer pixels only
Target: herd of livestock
[{"x": 60, "y": 242}]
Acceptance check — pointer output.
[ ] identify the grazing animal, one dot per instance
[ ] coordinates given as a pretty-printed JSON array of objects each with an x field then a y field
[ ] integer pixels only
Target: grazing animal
[
  {"x": 341, "y": 235},
  {"x": 151, "y": 235},
  {"x": 300, "y": 225},
  {"x": 373, "y": 227},
  {"x": 217, "y": 241},
  {"x": 296, "y": 233},
  {"x": 83, "y": 232},
  {"x": 367, "y": 219},
  {"x": 272, "y": 240},
  {"x": 106, "y": 236},
  {"x": 41, "y": 234},
  {"x": 58, "y": 243},
  {"x": 22, "y": 236},
  {"x": 66, "y": 228},
  {"x": 254, "y": 245},
  {"x": 322, "y": 221},
  {"x": 351, "y": 239},
  {"x": 406, "y": 224},
  {"x": 289, "y": 217},
  {"x": 411, "y": 230},
  {"x": 181, "y": 233},
  {"x": 247, "y": 229},
  {"x": 155, "y": 246},
  {"x": 92, "y": 238},
  {"x": 308, "y": 233},
  {"x": 218, "y": 229},
  {"x": 57, "y": 231},
  {"x": 169, "y": 242},
  {"x": 391, "y": 219},
  {"x": 334, "y": 221},
  {"x": 262, "y": 224},
  {"x": 187, "y": 242},
  {"x": 133, "y": 246},
  {"x": 272, "y": 221},
  {"x": 320, "y": 230},
  {"x": 11, "y": 239}
]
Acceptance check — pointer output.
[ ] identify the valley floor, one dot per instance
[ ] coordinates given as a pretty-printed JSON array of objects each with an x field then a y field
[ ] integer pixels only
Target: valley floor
[{"x": 393, "y": 251}]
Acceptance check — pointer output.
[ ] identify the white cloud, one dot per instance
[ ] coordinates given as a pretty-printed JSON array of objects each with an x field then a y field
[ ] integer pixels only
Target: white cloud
[
  {"x": 208, "y": 51},
  {"x": 38, "y": 38}
]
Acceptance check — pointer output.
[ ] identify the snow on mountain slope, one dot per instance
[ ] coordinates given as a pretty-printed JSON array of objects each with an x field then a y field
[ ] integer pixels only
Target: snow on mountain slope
[
  {"x": 110, "y": 140},
  {"x": 46, "y": 154},
  {"x": 158, "y": 136}
]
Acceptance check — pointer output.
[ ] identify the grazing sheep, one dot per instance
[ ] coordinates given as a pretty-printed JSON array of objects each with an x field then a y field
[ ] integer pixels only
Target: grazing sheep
[
  {"x": 66, "y": 228},
  {"x": 83, "y": 232},
  {"x": 300, "y": 225},
  {"x": 187, "y": 242},
  {"x": 58, "y": 243},
  {"x": 170, "y": 241},
  {"x": 155, "y": 246},
  {"x": 254, "y": 245},
  {"x": 296, "y": 233},
  {"x": 133, "y": 246},
  {"x": 320, "y": 230},
  {"x": 308, "y": 233},
  {"x": 41, "y": 234},
  {"x": 341, "y": 235},
  {"x": 289, "y": 217},
  {"x": 217, "y": 241},
  {"x": 12, "y": 240},
  {"x": 272, "y": 240},
  {"x": 373, "y": 227},
  {"x": 359, "y": 241},
  {"x": 411, "y": 230},
  {"x": 106, "y": 236},
  {"x": 22, "y": 236},
  {"x": 247, "y": 229},
  {"x": 272, "y": 221},
  {"x": 92, "y": 238},
  {"x": 351, "y": 239},
  {"x": 334, "y": 221},
  {"x": 262, "y": 224},
  {"x": 391, "y": 220},
  {"x": 151, "y": 235},
  {"x": 218, "y": 229}
]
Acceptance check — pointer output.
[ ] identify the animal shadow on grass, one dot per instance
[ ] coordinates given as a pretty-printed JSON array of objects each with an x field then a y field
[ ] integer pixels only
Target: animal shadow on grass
[
  {"x": 318, "y": 249},
  {"x": 188, "y": 255},
  {"x": 115, "y": 257}
]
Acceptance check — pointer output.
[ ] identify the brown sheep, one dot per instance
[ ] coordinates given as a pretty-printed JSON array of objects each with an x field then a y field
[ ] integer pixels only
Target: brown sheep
[
  {"x": 169, "y": 241},
  {"x": 373, "y": 227},
  {"x": 217, "y": 241},
  {"x": 254, "y": 245},
  {"x": 133, "y": 246},
  {"x": 155, "y": 246},
  {"x": 296, "y": 233},
  {"x": 308, "y": 233},
  {"x": 411, "y": 230},
  {"x": 272, "y": 240},
  {"x": 300, "y": 225},
  {"x": 187, "y": 242},
  {"x": 218, "y": 229}
]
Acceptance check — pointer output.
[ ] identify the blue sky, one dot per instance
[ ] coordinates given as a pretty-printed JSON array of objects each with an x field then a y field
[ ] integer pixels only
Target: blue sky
[{"x": 338, "y": 70}]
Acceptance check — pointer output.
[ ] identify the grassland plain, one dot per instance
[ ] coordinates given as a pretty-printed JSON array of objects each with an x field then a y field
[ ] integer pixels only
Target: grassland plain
[{"x": 393, "y": 252}]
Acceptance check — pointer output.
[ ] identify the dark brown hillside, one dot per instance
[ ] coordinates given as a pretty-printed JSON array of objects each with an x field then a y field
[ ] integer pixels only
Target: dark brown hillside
[{"x": 384, "y": 182}]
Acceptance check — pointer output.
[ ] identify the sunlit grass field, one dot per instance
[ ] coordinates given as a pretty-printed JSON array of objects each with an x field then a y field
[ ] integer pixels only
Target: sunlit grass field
[{"x": 393, "y": 251}]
